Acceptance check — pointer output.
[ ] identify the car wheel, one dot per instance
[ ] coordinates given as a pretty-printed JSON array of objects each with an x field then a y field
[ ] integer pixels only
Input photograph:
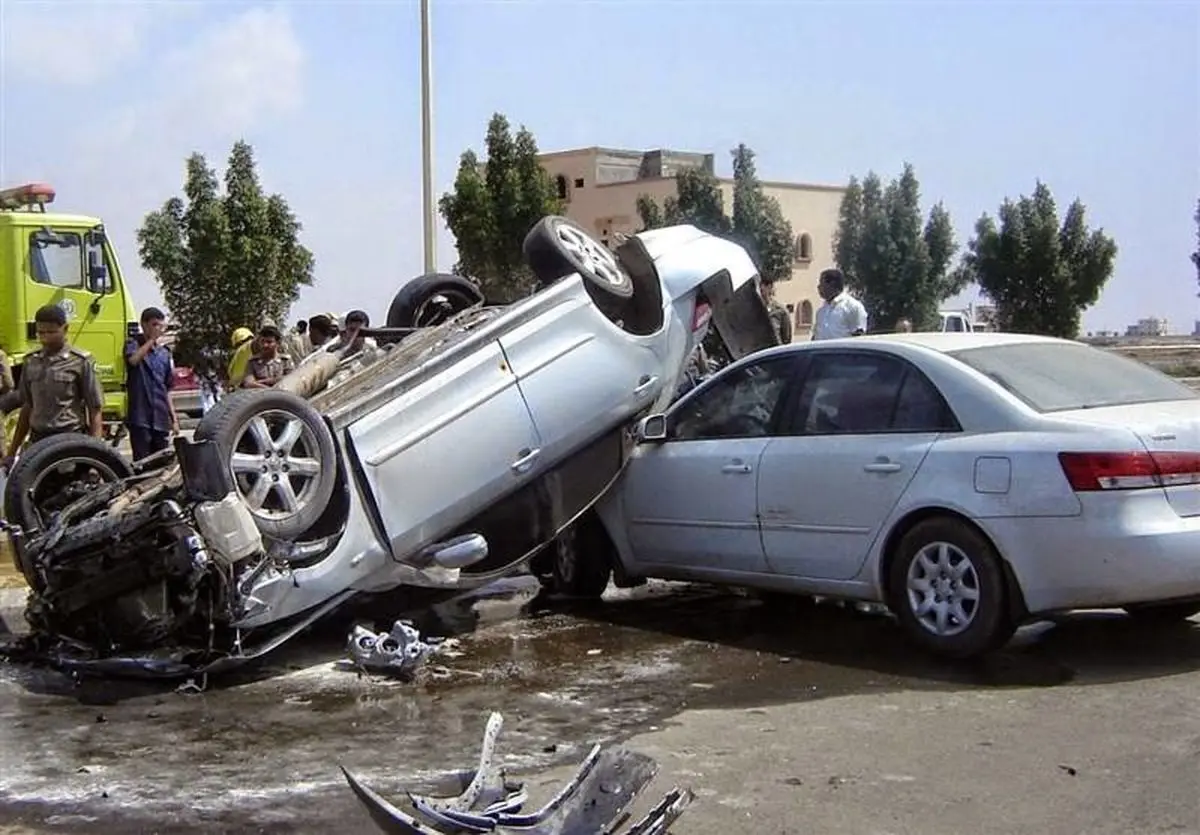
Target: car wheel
[
  {"x": 582, "y": 560},
  {"x": 56, "y": 471},
  {"x": 1163, "y": 614},
  {"x": 282, "y": 461},
  {"x": 947, "y": 588},
  {"x": 432, "y": 299},
  {"x": 556, "y": 247}
]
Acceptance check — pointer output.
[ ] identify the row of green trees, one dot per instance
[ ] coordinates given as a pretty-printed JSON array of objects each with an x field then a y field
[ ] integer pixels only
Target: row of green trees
[{"x": 228, "y": 257}]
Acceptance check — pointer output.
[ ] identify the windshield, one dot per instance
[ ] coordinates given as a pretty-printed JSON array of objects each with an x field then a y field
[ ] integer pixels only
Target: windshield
[{"x": 1056, "y": 377}]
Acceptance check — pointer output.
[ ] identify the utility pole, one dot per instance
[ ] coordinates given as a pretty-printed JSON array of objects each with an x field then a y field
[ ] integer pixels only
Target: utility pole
[{"x": 427, "y": 205}]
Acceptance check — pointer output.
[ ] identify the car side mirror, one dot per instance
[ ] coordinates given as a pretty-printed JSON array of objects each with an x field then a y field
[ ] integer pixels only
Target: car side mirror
[
  {"x": 652, "y": 429},
  {"x": 97, "y": 274}
]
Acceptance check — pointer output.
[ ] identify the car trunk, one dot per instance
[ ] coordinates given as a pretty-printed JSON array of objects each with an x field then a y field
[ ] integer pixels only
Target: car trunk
[
  {"x": 1167, "y": 430},
  {"x": 741, "y": 318}
]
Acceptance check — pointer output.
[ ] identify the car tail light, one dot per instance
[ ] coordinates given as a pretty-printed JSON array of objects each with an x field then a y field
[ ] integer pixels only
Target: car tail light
[
  {"x": 701, "y": 315},
  {"x": 1090, "y": 471}
]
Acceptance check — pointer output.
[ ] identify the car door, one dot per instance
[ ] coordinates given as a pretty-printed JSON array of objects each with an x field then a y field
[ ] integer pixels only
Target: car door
[
  {"x": 441, "y": 452},
  {"x": 691, "y": 500},
  {"x": 860, "y": 426},
  {"x": 580, "y": 374}
]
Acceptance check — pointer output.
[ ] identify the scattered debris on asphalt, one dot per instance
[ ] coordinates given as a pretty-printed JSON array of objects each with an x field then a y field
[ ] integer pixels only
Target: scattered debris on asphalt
[
  {"x": 396, "y": 653},
  {"x": 595, "y": 801}
]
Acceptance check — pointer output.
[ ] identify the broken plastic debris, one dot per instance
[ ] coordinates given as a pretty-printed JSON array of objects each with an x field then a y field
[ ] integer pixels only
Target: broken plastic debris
[
  {"x": 399, "y": 652},
  {"x": 595, "y": 801}
]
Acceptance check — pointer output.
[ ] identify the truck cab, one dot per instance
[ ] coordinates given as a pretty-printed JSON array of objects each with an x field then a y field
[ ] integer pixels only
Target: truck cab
[
  {"x": 955, "y": 321},
  {"x": 67, "y": 260}
]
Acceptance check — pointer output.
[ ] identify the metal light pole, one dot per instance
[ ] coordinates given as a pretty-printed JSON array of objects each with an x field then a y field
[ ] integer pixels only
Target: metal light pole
[{"x": 428, "y": 210}]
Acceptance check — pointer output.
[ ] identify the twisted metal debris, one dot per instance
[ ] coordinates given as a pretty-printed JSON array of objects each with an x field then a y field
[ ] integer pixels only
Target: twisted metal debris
[{"x": 595, "y": 801}]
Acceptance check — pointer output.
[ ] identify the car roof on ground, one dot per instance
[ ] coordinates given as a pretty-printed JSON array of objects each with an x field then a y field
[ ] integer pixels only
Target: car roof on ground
[{"x": 937, "y": 341}]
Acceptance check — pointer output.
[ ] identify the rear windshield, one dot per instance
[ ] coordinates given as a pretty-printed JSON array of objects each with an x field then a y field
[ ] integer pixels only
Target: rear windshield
[{"x": 1055, "y": 377}]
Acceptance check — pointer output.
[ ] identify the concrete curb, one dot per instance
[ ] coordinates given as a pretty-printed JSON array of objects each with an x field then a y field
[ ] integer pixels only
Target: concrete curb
[{"x": 12, "y": 612}]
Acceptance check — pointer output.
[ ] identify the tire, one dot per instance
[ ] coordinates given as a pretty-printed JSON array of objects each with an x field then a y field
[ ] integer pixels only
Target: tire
[
  {"x": 948, "y": 544},
  {"x": 37, "y": 488},
  {"x": 234, "y": 426},
  {"x": 1163, "y": 614},
  {"x": 411, "y": 309},
  {"x": 581, "y": 560},
  {"x": 557, "y": 247}
]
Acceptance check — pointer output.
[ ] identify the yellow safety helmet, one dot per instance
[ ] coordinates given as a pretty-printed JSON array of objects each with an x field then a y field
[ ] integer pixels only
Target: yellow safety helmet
[{"x": 240, "y": 335}]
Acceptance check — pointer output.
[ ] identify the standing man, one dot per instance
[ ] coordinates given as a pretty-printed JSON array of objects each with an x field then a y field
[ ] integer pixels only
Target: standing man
[
  {"x": 151, "y": 372},
  {"x": 904, "y": 326},
  {"x": 60, "y": 391},
  {"x": 268, "y": 366},
  {"x": 321, "y": 331},
  {"x": 842, "y": 314},
  {"x": 781, "y": 320},
  {"x": 242, "y": 343}
]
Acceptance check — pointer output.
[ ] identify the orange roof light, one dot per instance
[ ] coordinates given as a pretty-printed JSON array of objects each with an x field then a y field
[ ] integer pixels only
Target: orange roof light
[{"x": 26, "y": 196}]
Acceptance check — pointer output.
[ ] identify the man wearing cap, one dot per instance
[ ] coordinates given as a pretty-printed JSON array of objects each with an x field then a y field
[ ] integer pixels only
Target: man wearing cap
[
  {"x": 242, "y": 343},
  {"x": 269, "y": 365}
]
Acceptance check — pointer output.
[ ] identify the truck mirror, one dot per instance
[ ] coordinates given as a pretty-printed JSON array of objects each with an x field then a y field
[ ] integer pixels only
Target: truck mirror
[
  {"x": 96, "y": 236},
  {"x": 97, "y": 274}
]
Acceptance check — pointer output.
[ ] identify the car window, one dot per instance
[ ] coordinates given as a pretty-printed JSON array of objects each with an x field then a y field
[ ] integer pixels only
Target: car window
[
  {"x": 740, "y": 403},
  {"x": 861, "y": 393},
  {"x": 58, "y": 261},
  {"x": 1058, "y": 376}
]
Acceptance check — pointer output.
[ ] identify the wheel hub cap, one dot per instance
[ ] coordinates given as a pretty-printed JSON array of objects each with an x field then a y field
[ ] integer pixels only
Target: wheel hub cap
[
  {"x": 276, "y": 465},
  {"x": 943, "y": 589},
  {"x": 591, "y": 255}
]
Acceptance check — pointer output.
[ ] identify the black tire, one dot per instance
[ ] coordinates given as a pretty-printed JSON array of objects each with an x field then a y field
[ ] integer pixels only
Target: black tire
[
  {"x": 411, "y": 309},
  {"x": 581, "y": 560},
  {"x": 229, "y": 426},
  {"x": 989, "y": 624},
  {"x": 34, "y": 490},
  {"x": 1163, "y": 614},
  {"x": 557, "y": 247}
]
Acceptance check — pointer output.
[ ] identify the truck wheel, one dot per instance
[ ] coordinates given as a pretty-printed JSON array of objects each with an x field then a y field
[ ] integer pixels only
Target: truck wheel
[
  {"x": 582, "y": 560},
  {"x": 281, "y": 457},
  {"x": 431, "y": 299},
  {"x": 56, "y": 471},
  {"x": 556, "y": 247}
]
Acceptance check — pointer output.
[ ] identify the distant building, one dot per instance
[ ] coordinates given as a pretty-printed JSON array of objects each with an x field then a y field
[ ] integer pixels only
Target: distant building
[
  {"x": 1152, "y": 326},
  {"x": 601, "y": 187},
  {"x": 1196, "y": 328}
]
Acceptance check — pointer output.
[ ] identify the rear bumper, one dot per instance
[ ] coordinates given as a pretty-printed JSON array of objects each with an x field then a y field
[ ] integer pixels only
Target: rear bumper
[{"x": 1121, "y": 550}]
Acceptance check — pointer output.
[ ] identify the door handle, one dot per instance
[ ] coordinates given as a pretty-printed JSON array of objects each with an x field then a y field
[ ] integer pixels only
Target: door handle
[
  {"x": 644, "y": 385},
  {"x": 740, "y": 469},
  {"x": 528, "y": 456},
  {"x": 883, "y": 467}
]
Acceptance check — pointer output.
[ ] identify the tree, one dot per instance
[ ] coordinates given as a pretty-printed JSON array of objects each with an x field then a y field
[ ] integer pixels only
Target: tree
[
  {"x": 1040, "y": 275},
  {"x": 1196, "y": 254},
  {"x": 698, "y": 200},
  {"x": 757, "y": 222},
  {"x": 224, "y": 261},
  {"x": 898, "y": 266},
  {"x": 494, "y": 205}
]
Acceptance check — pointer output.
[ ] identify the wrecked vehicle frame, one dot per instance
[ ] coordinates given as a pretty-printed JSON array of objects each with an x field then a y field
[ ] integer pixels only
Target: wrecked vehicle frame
[{"x": 447, "y": 460}]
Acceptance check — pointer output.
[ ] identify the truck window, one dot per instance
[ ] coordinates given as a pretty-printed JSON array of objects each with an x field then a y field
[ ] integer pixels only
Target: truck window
[{"x": 56, "y": 263}]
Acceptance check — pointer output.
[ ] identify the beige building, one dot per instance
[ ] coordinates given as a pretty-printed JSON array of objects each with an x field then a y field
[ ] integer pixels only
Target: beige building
[{"x": 602, "y": 185}]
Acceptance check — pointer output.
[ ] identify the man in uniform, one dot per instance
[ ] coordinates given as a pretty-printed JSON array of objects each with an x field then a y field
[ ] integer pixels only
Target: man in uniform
[
  {"x": 151, "y": 375},
  {"x": 781, "y": 320},
  {"x": 60, "y": 391},
  {"x": 268, "y": 366}
]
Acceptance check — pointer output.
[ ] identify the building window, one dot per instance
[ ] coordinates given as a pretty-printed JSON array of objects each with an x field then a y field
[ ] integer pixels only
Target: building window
[
  {"x": 804, "y": 247},
  {"x": 579, "y": 182},
  {"x": 804, "y": 316},
  {"x": 560, "y": 182}
]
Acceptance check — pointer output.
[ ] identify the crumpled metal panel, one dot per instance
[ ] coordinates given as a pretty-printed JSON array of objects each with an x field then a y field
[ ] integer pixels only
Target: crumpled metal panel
[{"x": 595, "y": 801}]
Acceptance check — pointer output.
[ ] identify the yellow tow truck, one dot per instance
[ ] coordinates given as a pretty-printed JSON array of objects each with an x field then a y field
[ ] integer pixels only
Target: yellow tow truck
[{"x": 67, "y": 260}]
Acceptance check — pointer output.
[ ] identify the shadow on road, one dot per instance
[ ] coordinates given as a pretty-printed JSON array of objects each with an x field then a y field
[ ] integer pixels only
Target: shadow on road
[{"x": 1081, "y": 648}]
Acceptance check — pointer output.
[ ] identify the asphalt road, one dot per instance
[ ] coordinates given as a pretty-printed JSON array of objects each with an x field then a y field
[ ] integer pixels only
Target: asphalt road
[{"x": 825, "y": 722}]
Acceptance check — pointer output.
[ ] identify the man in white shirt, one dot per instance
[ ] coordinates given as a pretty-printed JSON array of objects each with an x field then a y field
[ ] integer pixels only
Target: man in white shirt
[{"x": 842, "y": 314}]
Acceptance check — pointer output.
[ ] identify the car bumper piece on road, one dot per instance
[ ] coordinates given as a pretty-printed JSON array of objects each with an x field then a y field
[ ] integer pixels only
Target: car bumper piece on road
[{"x": 595, "y": 800}]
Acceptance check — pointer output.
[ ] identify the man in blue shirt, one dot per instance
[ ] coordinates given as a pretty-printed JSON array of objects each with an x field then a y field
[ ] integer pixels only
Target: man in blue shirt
[{"x": 151, "y": 373}]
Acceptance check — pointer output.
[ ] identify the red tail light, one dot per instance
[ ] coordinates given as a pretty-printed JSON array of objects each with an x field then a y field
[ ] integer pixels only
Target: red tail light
[
  {"x": 1090, "y": 471},
  {"x": 701, "y": 315}
]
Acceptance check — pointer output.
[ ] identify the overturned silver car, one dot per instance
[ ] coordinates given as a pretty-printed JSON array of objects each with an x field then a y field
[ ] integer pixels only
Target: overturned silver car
[{"x": 477, "y": 436}]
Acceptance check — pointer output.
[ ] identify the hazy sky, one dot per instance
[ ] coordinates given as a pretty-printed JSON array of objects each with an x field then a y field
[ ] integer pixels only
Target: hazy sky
[{"x": 1099, "y": 99}]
